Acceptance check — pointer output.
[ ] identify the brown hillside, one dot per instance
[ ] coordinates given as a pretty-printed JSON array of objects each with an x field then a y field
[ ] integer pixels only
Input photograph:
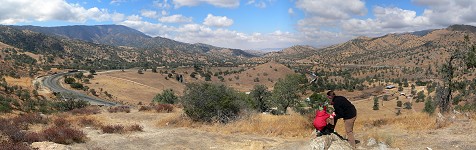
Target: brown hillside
[{"x": 267, "y": 75}]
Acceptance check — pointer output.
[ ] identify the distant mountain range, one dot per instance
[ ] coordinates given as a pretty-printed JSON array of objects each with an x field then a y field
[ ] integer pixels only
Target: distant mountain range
[
  {"x": 109, "y": 45},
  {"x": 96, "y": 46},
  {"x": 427, "y": 48},
  {"x": 119, "y": 35}
]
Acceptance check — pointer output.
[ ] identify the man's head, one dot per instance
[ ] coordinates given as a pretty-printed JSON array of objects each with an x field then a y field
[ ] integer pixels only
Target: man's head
[{"x": 331, "y": 94}]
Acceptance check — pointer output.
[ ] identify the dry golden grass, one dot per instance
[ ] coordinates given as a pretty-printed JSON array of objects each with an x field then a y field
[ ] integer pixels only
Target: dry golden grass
[
  {"x": 23, "y": 82},
  {"x": 262, "y": 124}
]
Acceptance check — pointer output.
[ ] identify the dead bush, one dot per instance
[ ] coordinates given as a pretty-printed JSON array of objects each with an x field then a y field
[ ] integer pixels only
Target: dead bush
[
  {"x": 83, "y": 122},
  {"x": 61, "y": 122},
  {"x": 164, "y": 108},
  {"x": 145, "y": 108},
  {"x": 116, "y": 109},
  {"x": 86, "y": 111},
  {"x": 31, "y": 137},
  {"x": 64, "y": 135},
  {"x": 135, "y": 127},
  {"x": 31, "y": 118},
  {"x": 14, "y": 146},
  {"x": 112, "y": 129}
]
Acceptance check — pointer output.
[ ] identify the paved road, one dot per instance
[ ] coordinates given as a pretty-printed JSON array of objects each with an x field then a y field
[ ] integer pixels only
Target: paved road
[{"x": 52, "y": 82}]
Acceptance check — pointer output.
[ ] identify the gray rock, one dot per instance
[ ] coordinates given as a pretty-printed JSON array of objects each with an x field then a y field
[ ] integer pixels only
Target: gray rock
[
  {"x": 371, "y": 142},
  {"x": 329, "y": 142}
]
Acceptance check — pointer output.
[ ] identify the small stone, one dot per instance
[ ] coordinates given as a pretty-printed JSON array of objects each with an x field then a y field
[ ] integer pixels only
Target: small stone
[{"x": 371, "y": 142}]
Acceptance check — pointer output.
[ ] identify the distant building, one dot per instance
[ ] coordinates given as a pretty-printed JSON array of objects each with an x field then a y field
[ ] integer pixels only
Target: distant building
[{"x": 390, "y": 87}]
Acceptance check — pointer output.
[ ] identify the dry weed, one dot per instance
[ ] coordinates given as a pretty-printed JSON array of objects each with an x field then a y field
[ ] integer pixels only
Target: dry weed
[{"x": 270, "y": 125}]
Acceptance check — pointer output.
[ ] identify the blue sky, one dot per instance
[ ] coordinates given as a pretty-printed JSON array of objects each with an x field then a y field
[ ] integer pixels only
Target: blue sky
[{"x": 247, "y": 24}]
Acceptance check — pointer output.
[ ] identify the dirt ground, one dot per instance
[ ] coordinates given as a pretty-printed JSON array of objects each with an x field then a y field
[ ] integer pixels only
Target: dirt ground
[{"x": 154, "y": 137}]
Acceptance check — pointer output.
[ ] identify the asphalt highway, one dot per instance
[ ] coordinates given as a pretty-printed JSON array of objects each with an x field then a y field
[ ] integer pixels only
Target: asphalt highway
[{"x": 52, "y": 82}]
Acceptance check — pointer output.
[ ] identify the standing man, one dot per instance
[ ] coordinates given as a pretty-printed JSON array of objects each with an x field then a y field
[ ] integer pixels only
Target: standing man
[{"x": 346, "y": 110}]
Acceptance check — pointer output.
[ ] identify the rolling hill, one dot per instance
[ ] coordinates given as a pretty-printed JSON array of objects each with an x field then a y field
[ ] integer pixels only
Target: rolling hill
[{"x": 414, "y": 49}]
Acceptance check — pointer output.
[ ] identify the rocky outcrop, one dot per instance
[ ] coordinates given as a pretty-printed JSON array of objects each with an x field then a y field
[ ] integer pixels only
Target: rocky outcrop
[
  {"x": 50, "y": 146},
  {"x": 329, "y": 142}
]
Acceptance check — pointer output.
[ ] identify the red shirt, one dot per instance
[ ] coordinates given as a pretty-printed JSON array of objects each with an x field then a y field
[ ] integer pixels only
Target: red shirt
[{"x": 320, "y": 120}]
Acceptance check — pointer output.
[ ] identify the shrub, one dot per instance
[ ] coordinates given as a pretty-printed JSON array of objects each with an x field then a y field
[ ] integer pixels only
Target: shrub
[
  {"x": 85, "y": 111},
  {"x": 407, "y": 105},
  {"x": 164, "y": 108},
  {"x": 116, "y": 109},
  {"x": 69, "y": 80},
  {"x": 78, "y": 86},
  {"x": 429, "y": 106},
  {"x": 88, "y": 122},
  {"x": 14, "y": 145},
  {"x": 31, "y": 137},
  {"x": 207, "y": 102},
  {"x": 399, "y": 103},
  {"x": 145, "y": 108},
  {"x": 69, "y": 105},
  {"x": 61, "y": 122},
  {"x": 167, "y": 97},
  {"x": 64, "y": 135},
  {"x": 135, "y": 127},
  {"x": 30, "y": 118},
  {"x": 112, "y": 129}
]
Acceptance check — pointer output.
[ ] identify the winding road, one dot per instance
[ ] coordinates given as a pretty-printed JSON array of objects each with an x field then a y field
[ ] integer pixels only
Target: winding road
[{"x": 53, "y": 83}]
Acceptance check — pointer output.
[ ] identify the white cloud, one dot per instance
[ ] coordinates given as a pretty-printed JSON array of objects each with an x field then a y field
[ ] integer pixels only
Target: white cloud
[
  {"x": 291, "y": 11},
  {"x": 149, "y": 13},
  {"x": 117, "y": 1},
  {"x": 199, "y": 33},
  {"x": 332, "y": 9},
  {"x": 175, "y": 19},
  {"x": 12, "y": 12},
  {"x": 164, "y": 4},
  {"x": 217, "y": 21},
  {"x": 449, "y": 12},
  {"x": 260, "y": 3},
  {"x": 218, "y": 3}
]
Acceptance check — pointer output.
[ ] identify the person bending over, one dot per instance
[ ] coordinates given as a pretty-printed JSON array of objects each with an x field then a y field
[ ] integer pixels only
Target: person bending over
[{"x": 346, "y": 110}]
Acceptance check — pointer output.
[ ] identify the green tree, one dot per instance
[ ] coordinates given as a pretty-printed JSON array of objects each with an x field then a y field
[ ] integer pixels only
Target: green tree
[
  {"x": 429, "y": 106},
  {"x": 260, "y": 96},
  {"x": 69, "y": 80},
  {"x": 79, "y": 75},
  {"x": 286, "y": 91},
  {"x": 317, "y": 101},
  {"x": 385, "y": 97},
  {"x": 376, "y": 106},
  {"x": 420, "y": 96},
  {"x": 167, "y": 96},
  {"x": 207, "y": 102}
]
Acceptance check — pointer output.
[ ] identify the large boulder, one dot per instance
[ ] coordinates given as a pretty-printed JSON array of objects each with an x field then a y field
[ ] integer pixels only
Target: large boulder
[{"x": 329, "y": 142}]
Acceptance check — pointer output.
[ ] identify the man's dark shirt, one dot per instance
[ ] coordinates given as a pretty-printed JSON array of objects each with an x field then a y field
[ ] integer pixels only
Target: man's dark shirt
[{"x": 343, "y": 108}]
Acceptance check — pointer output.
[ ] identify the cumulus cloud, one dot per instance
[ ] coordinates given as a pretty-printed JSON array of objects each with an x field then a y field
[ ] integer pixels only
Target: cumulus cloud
[
  {"x": 389, "y": 19},
  {"x": 217, "y": 21},
  {"x": 164, "y": 4},
  {"x": 448, "y": 12},
  {"x": 149, "y": 13},
  {"x": 199, "y": 33},
  {"x": 175, "y": 19},
  {"x": 291, "y": 11},
  {"x": 12, "y": 12},
  {"x": 332, "y": 9},
  {"x": 218, "y": 3}
]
